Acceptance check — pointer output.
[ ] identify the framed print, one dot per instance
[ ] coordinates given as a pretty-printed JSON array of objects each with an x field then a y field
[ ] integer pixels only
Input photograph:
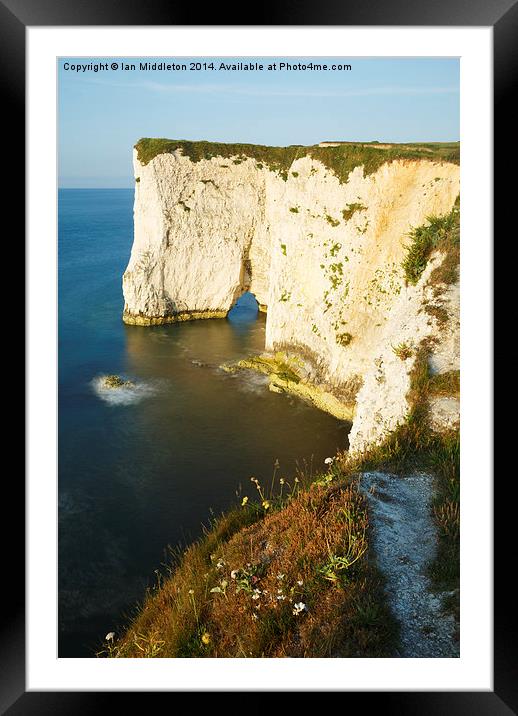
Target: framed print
[{"x": 259, "y": 265}]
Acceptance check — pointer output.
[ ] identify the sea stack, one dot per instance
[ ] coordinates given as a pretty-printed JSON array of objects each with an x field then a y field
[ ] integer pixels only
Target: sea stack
[{"x": 320, "y": 236}]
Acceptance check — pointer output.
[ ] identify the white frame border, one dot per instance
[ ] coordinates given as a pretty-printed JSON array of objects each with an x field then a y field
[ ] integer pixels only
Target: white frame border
[{"x": 473, "y": 670}]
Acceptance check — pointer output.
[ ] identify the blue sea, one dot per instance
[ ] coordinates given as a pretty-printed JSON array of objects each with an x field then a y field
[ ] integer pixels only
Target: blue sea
[{"x": 141, "y": 470}]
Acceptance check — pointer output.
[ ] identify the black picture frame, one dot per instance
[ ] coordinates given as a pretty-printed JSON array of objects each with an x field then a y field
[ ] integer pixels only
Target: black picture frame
[{"x": 15, "y": 16}]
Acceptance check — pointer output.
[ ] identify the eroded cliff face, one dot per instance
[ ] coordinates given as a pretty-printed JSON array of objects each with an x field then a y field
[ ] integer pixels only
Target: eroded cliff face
[{"x": 324, "y": 257}]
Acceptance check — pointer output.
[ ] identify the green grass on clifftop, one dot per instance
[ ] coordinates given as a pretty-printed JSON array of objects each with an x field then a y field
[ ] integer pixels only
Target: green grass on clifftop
[
  {"x": 439, "y": 233},
  {"x": 341, "y": 160}
]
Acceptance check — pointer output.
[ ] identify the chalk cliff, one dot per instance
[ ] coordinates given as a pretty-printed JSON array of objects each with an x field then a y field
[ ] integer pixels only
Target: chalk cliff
[{"x": 322, "y": 250}]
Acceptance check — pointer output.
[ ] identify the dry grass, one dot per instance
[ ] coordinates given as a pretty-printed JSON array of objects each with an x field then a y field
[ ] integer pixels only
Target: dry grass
[
  {"x": 445, "y": 383},
  {"x": 403, "y": 351},
  {"x": 438, "y": 311},
  {"x": 295, "y": 582},
  {"x": 447, "y": 516},
  {"x": 445, "y": 463}
]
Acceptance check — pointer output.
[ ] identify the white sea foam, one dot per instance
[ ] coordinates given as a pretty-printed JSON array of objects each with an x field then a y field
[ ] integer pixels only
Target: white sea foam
[
  {"x": 126, "y": 394},
  {"x": 251, "y": 382}
]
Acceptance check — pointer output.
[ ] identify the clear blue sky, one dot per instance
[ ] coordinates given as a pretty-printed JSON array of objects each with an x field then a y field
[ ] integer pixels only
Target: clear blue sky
[{"x": 102, "y": 114}]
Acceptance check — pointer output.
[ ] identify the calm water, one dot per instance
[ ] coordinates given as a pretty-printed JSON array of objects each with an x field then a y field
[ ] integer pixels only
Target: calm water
[{"x": 145, "y": 470}]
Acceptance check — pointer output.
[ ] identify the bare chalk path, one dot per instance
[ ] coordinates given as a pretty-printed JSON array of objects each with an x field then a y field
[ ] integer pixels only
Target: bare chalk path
[{"x": 405, "y": 539}]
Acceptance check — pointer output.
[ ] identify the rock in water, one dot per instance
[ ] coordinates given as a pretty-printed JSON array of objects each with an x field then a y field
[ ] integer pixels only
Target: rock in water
[{"x": 115, "y": 381}]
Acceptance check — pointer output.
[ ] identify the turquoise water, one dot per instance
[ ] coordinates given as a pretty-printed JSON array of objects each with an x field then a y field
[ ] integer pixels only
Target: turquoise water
[{"x": 145, "y": 468}]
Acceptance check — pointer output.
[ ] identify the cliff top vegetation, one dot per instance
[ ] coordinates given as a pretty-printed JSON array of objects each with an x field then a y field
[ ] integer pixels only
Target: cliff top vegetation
[
  {"x": 439, "y": 233},
  {"x": 340, "y": 159},
  {"x": 289, "y": 576}
]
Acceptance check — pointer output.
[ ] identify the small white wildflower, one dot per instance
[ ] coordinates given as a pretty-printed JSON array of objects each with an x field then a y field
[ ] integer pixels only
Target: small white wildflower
[
  {"x": 300, "y": 582},
  {"x": 255, "y": 596},
  {"x": 279, "y": 591},
  {"x": 257, "y": 591},
  {"x": 110, "y": 636},
  {"x": 280, "y": 597},
  {"x": 191, "y": 591},
  {"x": 234, "y": 573},
  {"x": 220, "y": 564},
  {"x": 281, "y": 481},
  {"x": 299, "y": 607},
  {"x": 280, "y": 576},
  {"x": 328, "y": 461},
  {"x": 296, "y": 479}
]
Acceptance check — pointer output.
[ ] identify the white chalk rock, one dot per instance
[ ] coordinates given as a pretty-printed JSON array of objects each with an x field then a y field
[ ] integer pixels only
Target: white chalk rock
[{"x": 323, "y": 256}]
